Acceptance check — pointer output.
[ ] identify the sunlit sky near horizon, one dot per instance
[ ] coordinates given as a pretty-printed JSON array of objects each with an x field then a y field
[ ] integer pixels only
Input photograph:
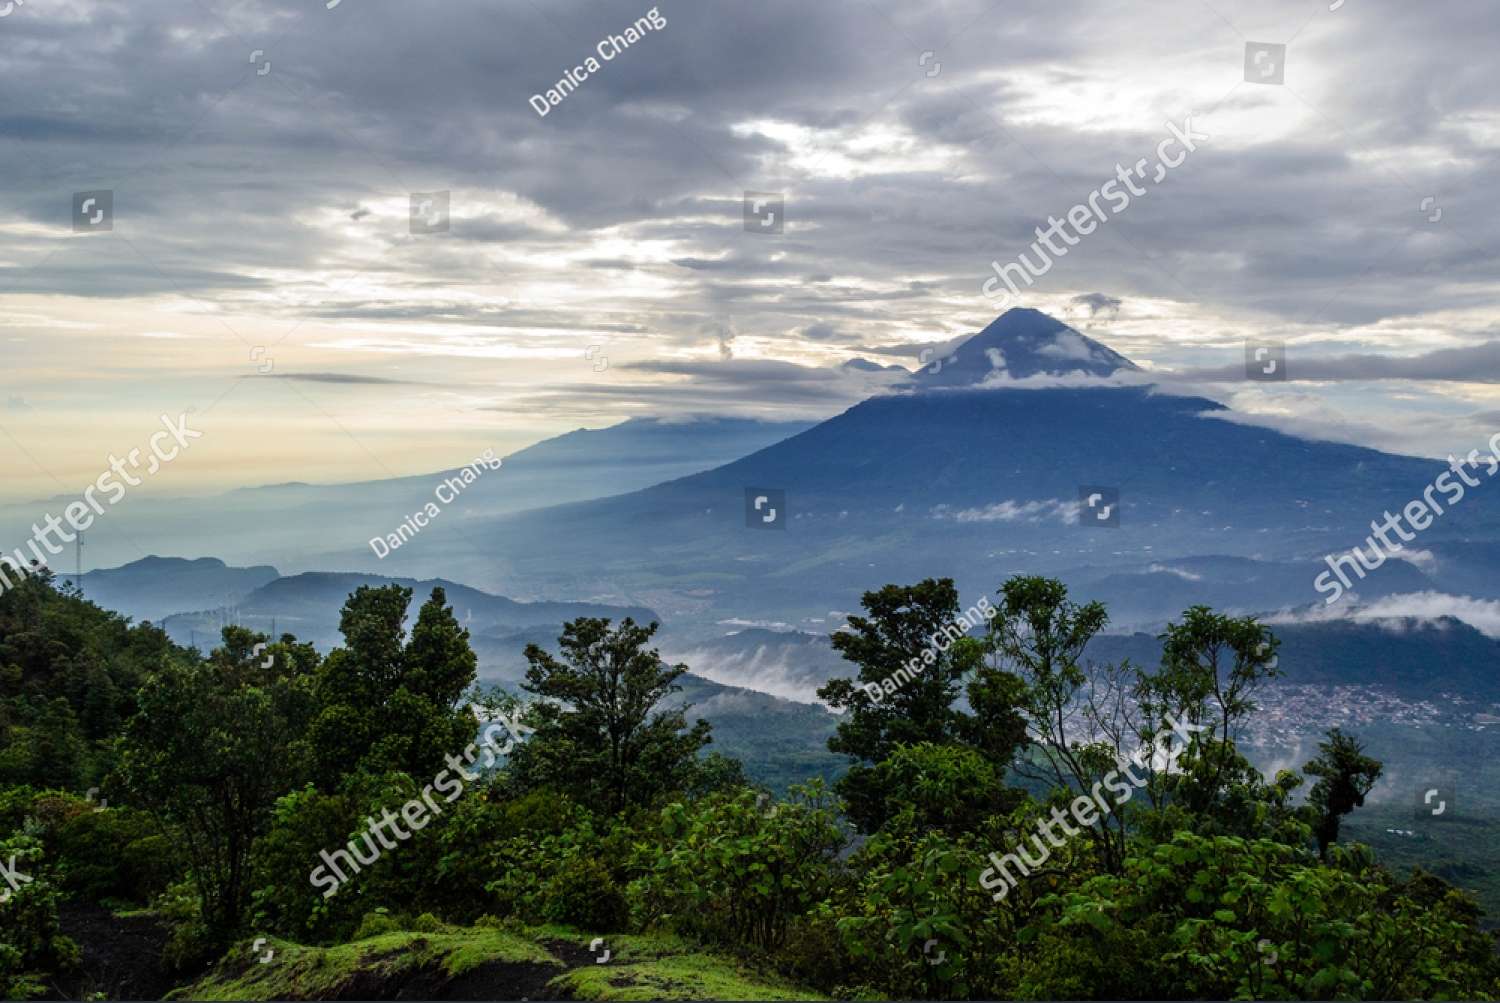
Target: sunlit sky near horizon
[{"x": 261, "y": 271}]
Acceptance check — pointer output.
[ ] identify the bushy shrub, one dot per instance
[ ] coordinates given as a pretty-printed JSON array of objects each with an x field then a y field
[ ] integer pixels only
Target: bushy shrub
[
  {"x": 191, "y": 942},
  {"x": 374, "y": 924},
  {"x": 475, "y": 848},
  {"x": 914, "y": 920},
  {"x": 427, "y": 923},
  {"x": 115, "y": 853},
  {"x": 31, "y": 946},
  {"x": 584, "y": 894},
  {"x": 548, "y": 878},
  {"x": 1230, "y": 918},
  {"x": 283, "y": 899},
  {"x": 738, "y": 868}
]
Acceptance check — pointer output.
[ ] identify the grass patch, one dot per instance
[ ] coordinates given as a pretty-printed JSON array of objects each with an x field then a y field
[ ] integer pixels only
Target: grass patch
[
  {"x": 300, "y": 972},
  {"x": 507, "y": 962},
  {"x": 654, "y": 968}
]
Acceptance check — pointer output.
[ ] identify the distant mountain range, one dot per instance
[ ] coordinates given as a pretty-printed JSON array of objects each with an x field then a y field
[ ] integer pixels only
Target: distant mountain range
[
  {"x": 1417, "y": 659},
  {"x": 155, "y": 587},
  {"x": 292, "y": 524},
  {"x": 980, "y": 484},
  {"x": 308, "y": 606},
  {"x": 960, "y": 474}
]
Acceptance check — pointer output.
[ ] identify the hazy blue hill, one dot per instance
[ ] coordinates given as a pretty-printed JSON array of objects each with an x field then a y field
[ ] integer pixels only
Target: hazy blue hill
[
  {"x": 155, "y": 587},
  {"x": 308, "y": 606},
  {"x": 781, "y": 742},
  {"x": 1415, "y": 658},
  {"x": 291, "y": 523},
  {"x": 1237, "y": 584}
]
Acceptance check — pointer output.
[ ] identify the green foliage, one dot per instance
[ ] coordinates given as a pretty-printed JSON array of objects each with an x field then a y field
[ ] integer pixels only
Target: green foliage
[
  {"x": 736, "y": 869},
  {"x": 31, "y": 946},
  {"x": 1212, "y": 665},
  {"x": 599, "y": 735},
  {"x": 1228, "y": 918},
  {"x": 374, "y": 924},
  {"x": 235, "y": 772},
  {"x": 303, "y": 823},
  {"x": 117, "y": 854},
  {"x": 949, "y": 788},
  {"x": 583, "y": 893},
  {"x": 574, "y": 876},
  {"x": 386, "y": 703},
  {"x": 916, "y": 922},
  {"x": 475, "y": 848},
  {"x": 1345, "y": 775},
  {"x": 904, "y": 633},
  {"x": 69, "y": 672},
  {"x": 208, "y": 752}
]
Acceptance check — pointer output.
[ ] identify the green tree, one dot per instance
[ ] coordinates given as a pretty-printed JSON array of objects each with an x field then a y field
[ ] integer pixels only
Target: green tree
[
  {"x": 1075, "y": 713},
  {"x": 913, "y": 656},
  {"x": 1211, "y": 666},
  {"x": 386, "y": 703},
  {"x": 210, "y": 749},
  {"x": 1345, "y": 775},
  {"x": 600, "y": 736}
]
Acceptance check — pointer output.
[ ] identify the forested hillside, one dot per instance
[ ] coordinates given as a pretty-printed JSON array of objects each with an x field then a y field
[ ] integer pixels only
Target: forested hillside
[{"x": 269, "y": 822}]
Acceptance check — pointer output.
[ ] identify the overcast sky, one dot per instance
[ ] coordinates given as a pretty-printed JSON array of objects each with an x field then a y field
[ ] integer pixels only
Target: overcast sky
[{"x": 261, "y": 269}]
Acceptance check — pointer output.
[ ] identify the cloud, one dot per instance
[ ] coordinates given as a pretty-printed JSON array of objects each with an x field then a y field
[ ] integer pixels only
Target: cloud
[
  {"x": 1400, "y": 612},
  {"x": 822, "y": 332},
  {"x": 1096, "y": 303},
  {"x": 281, "y": 201},
  {"x": 351, "y": 379},
  {"x": 1470, "y": 364},
  {"x": 1166, "y": 569},
  {"x": 1065, "y": 512},
  {"x": 1067, "y": 345}
]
